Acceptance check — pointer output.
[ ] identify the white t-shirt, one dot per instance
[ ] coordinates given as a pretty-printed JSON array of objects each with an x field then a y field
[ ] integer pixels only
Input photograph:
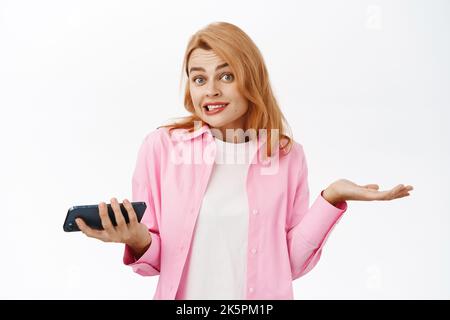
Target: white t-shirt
[{"x": 217, "y": 266}]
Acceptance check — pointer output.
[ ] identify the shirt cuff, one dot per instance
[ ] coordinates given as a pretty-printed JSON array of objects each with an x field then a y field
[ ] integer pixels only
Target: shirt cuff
[
  {"x": 149, "y": 256},
  {"x": 321, "y": 217},
  {"x": 340, "y": 205}
]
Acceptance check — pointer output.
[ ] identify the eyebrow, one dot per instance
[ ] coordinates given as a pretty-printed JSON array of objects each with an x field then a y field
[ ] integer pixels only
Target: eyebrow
[{"x": 223, "y": 65}]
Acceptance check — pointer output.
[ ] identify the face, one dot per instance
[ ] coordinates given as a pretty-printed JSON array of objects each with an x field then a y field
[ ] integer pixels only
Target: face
[{"x": 212, "y": 81}]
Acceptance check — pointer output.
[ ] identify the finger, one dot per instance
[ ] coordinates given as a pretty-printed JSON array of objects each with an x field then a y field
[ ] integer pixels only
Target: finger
[
  {"x": 131, "y": 213},
  {"x": 106, "y": 221},
  {"x": 406, "y": 188},
  {"x": 81, "y": 224},
  {"x": 398, "y": 189},
  {"x": 370, "y": 194},
  {"x": 403, "y": 195},
  {"x": 88, "y": 231},
  {"x": 118, "y": 214},
  {"x": 395, "y": 192}
]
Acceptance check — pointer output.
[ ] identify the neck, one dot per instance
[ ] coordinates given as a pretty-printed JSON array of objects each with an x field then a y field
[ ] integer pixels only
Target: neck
[{"x": 236, "y": 138}]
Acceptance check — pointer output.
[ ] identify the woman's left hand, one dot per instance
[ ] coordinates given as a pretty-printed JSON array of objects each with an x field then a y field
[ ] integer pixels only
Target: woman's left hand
[{"x": 343, "y": 190}]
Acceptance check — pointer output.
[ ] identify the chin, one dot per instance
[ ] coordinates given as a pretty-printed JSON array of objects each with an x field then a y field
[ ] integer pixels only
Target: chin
[{"x": 215, "y": 122}]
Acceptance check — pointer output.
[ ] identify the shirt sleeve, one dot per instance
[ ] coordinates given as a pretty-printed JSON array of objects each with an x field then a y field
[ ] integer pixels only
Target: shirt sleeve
[
  {"x": 309, "y": 228},
  {"x": 146, "y": 187}
]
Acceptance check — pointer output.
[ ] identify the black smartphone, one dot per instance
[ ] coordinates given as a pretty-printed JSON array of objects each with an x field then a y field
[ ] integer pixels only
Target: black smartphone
[{"x": 90, "y": 215}]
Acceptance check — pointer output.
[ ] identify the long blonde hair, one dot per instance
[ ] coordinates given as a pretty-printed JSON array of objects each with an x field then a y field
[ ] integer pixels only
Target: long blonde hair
[{"x": 244, "y": 58}]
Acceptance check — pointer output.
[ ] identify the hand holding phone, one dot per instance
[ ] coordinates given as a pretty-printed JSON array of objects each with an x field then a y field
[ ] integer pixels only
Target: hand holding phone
[
  {"x": 91, "y": 215},
  {"x": 115, "y": 222}
]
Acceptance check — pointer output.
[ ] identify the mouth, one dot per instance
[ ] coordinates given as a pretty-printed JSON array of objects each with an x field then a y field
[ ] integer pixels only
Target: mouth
[{"x": 214, "y": 108}]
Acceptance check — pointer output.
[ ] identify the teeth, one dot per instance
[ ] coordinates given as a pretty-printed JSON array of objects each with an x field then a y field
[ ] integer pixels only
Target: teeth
[{"x": 215, "y": 106}]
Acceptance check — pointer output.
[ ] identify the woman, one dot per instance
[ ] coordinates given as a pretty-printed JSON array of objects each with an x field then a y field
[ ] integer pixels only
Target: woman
[{"x": 220, "y": 229}]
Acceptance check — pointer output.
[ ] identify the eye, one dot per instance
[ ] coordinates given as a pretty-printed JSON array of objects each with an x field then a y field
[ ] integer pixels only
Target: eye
[
  {"x": 229, "y": 75},
  {"x": 197, "y": 78}
]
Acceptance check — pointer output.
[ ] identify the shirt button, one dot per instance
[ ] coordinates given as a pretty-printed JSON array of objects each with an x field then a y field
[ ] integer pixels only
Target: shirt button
[
  {"x": 253, "y": 250},
  {"x": 251, "y": 289},
  {"x": 255, "y": 212}
]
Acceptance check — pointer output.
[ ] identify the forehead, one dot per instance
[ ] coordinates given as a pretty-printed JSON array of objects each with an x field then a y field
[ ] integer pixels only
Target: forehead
[{"x": 207, "y": 59}]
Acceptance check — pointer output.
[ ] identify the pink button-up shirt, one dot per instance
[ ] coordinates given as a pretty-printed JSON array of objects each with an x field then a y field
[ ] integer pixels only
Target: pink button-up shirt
[{"x": 285, "y": 235}]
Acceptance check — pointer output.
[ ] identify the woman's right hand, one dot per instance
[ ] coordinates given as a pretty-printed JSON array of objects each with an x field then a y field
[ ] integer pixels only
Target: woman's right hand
[{"x": 134, "y": 234}]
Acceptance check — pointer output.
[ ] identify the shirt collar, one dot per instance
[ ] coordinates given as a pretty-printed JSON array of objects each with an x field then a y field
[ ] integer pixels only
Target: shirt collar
[{"x": 185, "y": 135}]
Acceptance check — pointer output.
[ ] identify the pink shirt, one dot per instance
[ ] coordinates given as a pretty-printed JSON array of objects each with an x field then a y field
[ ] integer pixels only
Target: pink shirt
[{"x": 285, "y": 235}]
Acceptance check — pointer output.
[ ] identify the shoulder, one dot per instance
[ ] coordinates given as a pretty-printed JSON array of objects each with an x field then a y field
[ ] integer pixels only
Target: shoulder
[
  {"x": 153, "y": 141},
  {"x": 296, "y": 150},
  {"x": 156, "y": 136},
  {"x": 296, "y": 159},
  {"x": 162, "y": 140}
]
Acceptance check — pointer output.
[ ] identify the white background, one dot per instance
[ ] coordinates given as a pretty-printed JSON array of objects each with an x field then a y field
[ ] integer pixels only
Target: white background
[{"x": 363, "y": 84}]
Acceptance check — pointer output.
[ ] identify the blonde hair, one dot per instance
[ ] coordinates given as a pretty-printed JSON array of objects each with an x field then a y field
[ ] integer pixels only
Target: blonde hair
[{"x": 244, "y": 58}]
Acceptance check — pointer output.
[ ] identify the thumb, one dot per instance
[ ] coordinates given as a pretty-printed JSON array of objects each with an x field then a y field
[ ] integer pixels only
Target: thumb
[{"x": 371, "y": 186}]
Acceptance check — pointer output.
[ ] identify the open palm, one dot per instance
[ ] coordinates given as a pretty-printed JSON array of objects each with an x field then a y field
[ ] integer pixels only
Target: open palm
[{"x": 344, "y": 189}]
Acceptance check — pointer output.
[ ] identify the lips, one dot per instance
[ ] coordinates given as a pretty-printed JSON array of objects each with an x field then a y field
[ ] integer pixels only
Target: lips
[
  {"x": 212, "y": 104},
  {"x": 213, "y": 108}
]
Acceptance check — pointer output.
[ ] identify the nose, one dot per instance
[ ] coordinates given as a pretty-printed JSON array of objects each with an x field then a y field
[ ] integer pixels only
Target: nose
[{"x": 212, "y": 90}]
